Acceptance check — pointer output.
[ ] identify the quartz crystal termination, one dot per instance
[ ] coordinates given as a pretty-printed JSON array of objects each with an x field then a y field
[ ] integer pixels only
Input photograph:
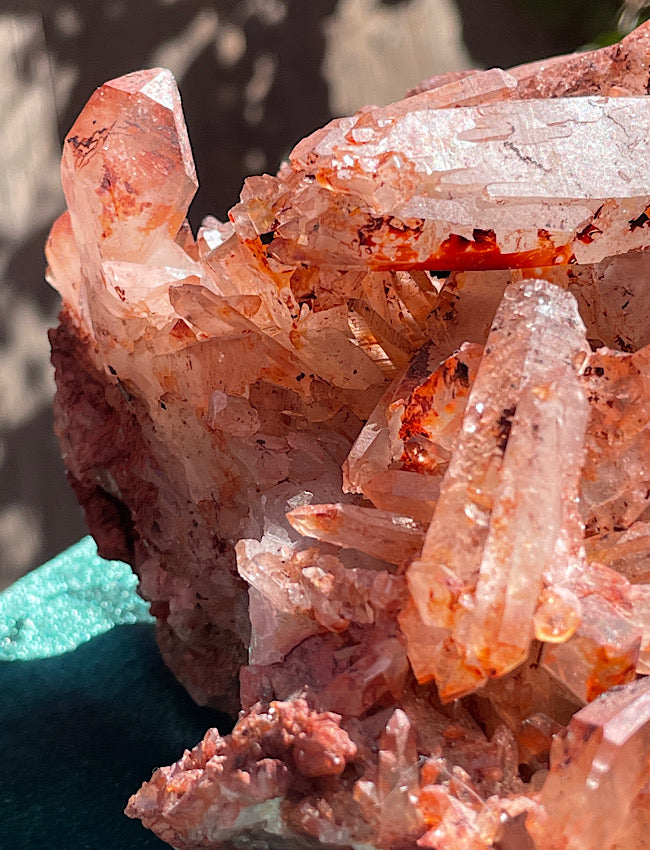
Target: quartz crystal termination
[{"x": 285, "y": 427}]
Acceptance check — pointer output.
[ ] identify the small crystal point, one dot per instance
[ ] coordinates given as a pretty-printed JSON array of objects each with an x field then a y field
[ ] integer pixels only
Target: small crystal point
[{"x": 384, "y": 535}]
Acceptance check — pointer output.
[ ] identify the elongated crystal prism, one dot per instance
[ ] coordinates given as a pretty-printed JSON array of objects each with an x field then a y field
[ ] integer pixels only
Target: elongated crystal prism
[
  {"x": 500, "y": 514},
  {"x": 429, "y": 188}
]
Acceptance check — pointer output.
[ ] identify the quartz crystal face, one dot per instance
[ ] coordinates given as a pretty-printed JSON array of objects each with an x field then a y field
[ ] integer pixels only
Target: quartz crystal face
[{"x": 377, "y": 449}]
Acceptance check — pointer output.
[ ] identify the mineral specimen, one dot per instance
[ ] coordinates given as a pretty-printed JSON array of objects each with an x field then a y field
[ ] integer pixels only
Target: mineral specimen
[{"x": 379, "y": 447}]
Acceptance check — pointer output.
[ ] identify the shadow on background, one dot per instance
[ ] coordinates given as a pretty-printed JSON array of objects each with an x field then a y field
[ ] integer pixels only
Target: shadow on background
[{"x": 79, "y": 733}]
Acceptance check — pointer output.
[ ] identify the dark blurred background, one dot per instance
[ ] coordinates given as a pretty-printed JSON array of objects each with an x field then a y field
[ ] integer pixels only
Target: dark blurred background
[{"x": 255, "y": 76}]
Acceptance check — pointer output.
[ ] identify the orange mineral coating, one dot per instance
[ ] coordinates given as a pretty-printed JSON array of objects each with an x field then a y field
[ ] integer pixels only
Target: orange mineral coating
[{"x": 480, "y": 252}]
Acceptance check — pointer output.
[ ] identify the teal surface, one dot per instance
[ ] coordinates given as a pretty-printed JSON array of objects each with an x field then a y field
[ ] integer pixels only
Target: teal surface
[
  {"x": 71, "y": 599},
  {"x": 87, "y": 708}
]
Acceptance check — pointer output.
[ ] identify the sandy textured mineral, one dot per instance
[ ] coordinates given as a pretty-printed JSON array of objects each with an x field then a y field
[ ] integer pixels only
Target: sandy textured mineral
[{"x": 377, "y": 449}]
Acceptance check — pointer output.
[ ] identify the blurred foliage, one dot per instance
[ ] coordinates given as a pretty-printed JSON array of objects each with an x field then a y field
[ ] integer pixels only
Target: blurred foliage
[{"x": 595, "y": 23}]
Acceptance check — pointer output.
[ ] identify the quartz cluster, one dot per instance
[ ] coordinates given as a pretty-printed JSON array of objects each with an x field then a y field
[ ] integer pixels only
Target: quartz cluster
[{"x": 378, "y": 446}]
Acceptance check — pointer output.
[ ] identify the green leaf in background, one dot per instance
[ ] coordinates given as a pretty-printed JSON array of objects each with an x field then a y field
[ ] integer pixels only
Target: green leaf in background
[{"x": 591, "y": 23}]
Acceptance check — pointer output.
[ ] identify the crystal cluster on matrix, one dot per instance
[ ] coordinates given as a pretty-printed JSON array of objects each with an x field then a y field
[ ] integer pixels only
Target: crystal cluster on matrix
[{"x": 378, "y": 450}]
